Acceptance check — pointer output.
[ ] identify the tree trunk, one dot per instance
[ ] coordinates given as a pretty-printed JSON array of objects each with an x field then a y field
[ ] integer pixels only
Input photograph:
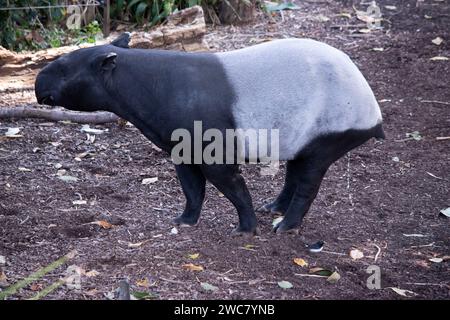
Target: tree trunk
[{"x": 237, "y": 11}]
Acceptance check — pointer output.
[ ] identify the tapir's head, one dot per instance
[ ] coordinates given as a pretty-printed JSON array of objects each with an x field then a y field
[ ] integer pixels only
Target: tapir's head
[{"x": 78, "y": 80}]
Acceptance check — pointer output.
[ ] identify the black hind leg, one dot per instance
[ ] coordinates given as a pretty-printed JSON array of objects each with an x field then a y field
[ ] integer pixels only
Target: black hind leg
[
  {"x": 308, "y": 179},
  {"x": 310, "y": 167},
  {"x": 281, "y": 203},
  {"x": 193, "y": 184},
  {"x": 227, "y": 179}
]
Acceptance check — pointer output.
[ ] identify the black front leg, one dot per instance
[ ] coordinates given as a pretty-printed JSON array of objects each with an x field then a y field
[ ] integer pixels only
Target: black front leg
[
  {"x": 193, "y": 183},
  {"x": 226, "y": 179}
]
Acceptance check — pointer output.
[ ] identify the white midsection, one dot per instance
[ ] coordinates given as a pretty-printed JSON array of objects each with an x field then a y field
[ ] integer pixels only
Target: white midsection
[{"x": 303, "y": 88}]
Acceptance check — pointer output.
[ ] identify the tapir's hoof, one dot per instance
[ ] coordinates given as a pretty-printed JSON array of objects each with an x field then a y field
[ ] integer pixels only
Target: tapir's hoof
[
  {"x": 283, "y": 227},
  {"x": 241, "y": 232},
  {"x": 185, "y": 221},
  {"x": 270, "y": 208}
]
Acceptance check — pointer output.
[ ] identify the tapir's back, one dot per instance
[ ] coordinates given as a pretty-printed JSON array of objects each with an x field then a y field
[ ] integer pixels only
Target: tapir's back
[{"x": 302, "y": 87}]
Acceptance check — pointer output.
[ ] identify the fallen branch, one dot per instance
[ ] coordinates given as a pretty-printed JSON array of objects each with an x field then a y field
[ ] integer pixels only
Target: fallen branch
[
  {"x": 309, "y": 275},
  {"x": 58, "y": 115},
  {"x": 378, "y": 252},
  {"x": 427, "y": 284},
  {"x": 435, "y": 101}
]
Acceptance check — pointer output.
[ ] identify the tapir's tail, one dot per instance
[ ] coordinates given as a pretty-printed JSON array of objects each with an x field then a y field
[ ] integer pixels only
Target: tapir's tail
[{"x": 379, "y": 132}]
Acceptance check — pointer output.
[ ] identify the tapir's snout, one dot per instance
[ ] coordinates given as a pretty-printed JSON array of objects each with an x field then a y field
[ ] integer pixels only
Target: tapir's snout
[
  {"x": 45, "y": 89},
  {"x": 46, "y": 99}
]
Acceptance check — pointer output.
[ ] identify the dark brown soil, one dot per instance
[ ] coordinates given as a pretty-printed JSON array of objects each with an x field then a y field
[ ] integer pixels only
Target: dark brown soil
[{"x": 370, "y": 199}]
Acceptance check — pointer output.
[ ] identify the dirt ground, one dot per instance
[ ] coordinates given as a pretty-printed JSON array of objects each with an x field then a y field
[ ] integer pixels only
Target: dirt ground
[{"x": 383, "y": 199}]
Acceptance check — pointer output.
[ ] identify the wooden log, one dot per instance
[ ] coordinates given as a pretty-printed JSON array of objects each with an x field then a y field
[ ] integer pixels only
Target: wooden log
[
  {"x": 184, "y": 31},
  {"x": 58, "y": 115}
]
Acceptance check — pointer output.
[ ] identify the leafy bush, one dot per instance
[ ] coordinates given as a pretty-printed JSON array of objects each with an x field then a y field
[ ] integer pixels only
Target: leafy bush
[
  {"x": 18, "y": 26},
  {"x": 33, "y": 29},
  {"x": 151, "y": 12}
]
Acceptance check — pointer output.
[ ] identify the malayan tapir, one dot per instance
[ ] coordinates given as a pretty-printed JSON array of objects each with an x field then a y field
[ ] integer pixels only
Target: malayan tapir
[{"x": 311, "y": 92}]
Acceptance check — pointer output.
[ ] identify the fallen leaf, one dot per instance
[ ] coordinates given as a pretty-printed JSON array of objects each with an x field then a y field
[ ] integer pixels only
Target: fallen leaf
[
  {"x": 3, "y": 277},
  {"x": 321, "y": 18},
  {"x": 143, "y": 295},
  {"x": 436, "y": 260},
  {"x": 285, "y": 284},
  {"x": 192, "y": 267},
  {"x": 364, "y": 16},
  {"x": 88, "y": 129},
  {"x": 422, "y": 263},
  {"x": 403, "y": 292},
  {"x": 91, "y": 292},
  {"x": 301, "y": 262},
  {"x": 79, "y": 202},
  {"x": 143, "y": 283},
  {"x": 36, "y": 287},
  {"x": 92, "y": 273},
  {"x": 68, "y": 178},
  {"x": 446, "y": 212},
  {"x": 13, "y": 133},
  {"x": 134, "y": 245},
  {"x": 433, "y": 175},
  {"x": 364, "y": 30},
  {"x": 149, "y": 180},
  {"x": 415, "y": 135},
  {"x": 392, "y": 8},
  {"x": 356, "y": 254},
  {"x": 320, "y": 271},
  {"x": 437, "y": 41},
  {"x": 345, "y": 14},
  {"x": 334, "y": 277},
  {"x": 194, "y": 256},
  {"x": 102, "y": 223},
  {"x": 208, "y": 287},
  {"x": 439, "y": 58}
]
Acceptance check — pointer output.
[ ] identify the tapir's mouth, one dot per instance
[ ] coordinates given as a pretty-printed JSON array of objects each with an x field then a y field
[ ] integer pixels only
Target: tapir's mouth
[{"x": 48, "y": 100}]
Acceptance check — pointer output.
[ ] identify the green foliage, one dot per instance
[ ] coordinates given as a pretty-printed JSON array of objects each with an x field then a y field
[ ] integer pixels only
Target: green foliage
[
  {"x": 151, "y": 12},
  {"x": 33, "y": 29},
  {"x": 18, "y": 26}
]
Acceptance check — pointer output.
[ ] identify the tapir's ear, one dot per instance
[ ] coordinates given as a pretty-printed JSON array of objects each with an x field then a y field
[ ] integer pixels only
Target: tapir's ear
[
  {"x": 108, "y": 61},
  {"x": 122, "y": 40}
]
